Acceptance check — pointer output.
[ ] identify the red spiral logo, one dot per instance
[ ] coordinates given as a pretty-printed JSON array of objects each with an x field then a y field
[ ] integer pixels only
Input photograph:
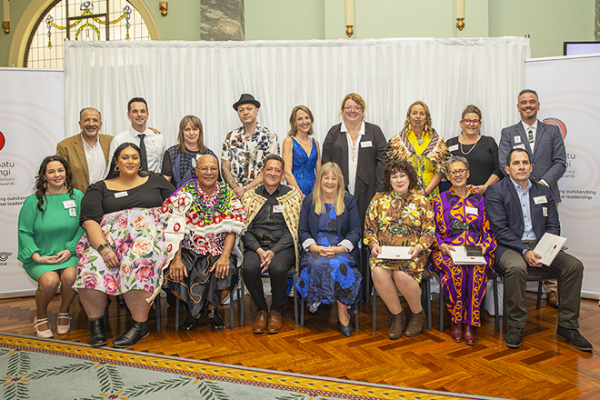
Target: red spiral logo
[
  {"x": 2, "y": 140},
  {"x": 557, "y": 122}
]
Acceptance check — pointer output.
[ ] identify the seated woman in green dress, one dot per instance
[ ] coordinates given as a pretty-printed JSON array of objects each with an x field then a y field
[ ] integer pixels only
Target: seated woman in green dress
[{"x": 48, "y": 234}]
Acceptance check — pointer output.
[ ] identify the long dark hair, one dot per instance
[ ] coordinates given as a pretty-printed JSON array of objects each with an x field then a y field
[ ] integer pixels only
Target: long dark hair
[
  {"x": 41, "y": 183},
  {"x": 114, "y": 173}
]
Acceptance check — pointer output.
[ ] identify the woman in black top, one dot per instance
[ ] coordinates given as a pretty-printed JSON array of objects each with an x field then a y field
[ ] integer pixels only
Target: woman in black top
[
  {"x": 481, "y": 151},
  {"x": 123, "y": 251}
]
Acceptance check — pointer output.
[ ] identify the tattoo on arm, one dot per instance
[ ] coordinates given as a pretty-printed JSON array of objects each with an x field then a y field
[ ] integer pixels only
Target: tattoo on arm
[{"x": 229, "y": 178}]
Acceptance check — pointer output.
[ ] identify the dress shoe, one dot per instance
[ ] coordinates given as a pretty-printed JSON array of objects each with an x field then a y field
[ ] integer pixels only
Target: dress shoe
[
  {"x": 136, "y": 332},
  {"x": 553, "y": 299},
  {"x": 275, "y": 322},
  {"x": 353, "y": 310},
  {"x": 46, "y": 333},
  {"x": 97, "y": 332},
  {"x": 514, "y": 337},
  {"x": 456, "y": 331},
  {"x": 260, "y": 323},
  {"x": 346, "y": 329},
  {"x": 397, "y": 323},
  {"x": 192, "y": 322},
  {"x": 574, "y": 338},
  {"x": 415, "y": 325},
  {"x": 63, "y": 329},
  {"x": 216, "y": 322},
  {"x": 470, "y": 335}
]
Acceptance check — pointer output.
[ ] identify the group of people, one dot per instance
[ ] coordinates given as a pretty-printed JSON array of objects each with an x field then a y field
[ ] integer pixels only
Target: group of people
[{"x": 153, "y": 218}]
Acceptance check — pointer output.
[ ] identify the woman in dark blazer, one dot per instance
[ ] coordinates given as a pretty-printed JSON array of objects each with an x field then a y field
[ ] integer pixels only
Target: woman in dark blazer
[
  {"x": 358, "y": 147},
  {"x": 329, "y": 233}
]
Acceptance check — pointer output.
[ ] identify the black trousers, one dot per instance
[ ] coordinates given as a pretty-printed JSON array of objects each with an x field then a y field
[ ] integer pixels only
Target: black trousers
[{"x": 279, "y": 267}]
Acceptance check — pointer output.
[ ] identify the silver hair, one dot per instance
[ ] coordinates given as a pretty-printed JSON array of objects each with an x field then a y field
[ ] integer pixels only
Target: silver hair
[{"x": 454, "y": 159}]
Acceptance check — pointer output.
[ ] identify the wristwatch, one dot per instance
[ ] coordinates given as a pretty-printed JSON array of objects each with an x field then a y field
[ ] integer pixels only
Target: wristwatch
[{"x": 102, "y": 246}]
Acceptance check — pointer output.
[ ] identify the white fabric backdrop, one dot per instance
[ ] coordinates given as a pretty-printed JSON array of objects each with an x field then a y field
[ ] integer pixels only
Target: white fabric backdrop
[
  {"x": 206, "y": 78},
  {"x": 569, "y": 92}
]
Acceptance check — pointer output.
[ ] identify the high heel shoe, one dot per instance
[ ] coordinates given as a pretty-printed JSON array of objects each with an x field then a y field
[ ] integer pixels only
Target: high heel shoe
[
  {"x": 45, "y": 334},
  {"x": 63, "y": 329}
]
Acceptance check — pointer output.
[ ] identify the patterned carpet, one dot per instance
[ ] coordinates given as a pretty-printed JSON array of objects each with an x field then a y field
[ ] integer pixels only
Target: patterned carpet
[{"x": 32, "y": 368}]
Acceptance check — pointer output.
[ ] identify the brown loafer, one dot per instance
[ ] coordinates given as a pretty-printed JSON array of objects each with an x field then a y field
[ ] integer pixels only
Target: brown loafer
[
  {"x": 260, "y": 322},
  {"x": 470, "y": 335},
  {"x": 275, "y": 322},
  {"x": 456, "y": 331},
  {"x": 553, "y": 299}
]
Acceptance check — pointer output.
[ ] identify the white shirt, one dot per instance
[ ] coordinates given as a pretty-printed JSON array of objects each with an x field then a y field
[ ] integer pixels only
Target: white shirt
[
  {"x": 353, "y": 149},
  {"x": 155, "y": 146},
  {"x": 97, "y": 169},
  {"x": 533, "y": 129}
]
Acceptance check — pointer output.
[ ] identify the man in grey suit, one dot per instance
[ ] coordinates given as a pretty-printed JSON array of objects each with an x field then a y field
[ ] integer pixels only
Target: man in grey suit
[
  {"x": 546, "y": 147},
  {"x": 520, "y": 212}
]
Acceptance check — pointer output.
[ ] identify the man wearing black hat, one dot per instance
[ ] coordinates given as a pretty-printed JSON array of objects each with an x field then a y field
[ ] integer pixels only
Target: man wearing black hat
[{"x": 245, "y": 148}]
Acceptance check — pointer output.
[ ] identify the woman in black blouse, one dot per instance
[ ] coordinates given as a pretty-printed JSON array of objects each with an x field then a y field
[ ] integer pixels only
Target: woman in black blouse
[
  {"x": 123, "y": 251},
  {"x": 481, "y": 151}
]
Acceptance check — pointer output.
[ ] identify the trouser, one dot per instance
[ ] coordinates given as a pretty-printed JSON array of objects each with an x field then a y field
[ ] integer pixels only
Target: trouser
[
  {"x": 279, "y": 267},
  {"x": 566, "y": 268}
]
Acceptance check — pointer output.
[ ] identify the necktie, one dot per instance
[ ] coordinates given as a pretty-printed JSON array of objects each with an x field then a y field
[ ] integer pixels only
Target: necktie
[
  {"x": 144, "y": 160},
  {"x": 530, "y": 135}
]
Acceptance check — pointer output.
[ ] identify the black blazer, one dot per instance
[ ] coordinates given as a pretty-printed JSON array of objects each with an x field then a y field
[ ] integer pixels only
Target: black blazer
[
  {"x": 371, "y": 162},
  {"x": 348, "y": 223},
  {"x": 503, "y": 209}
]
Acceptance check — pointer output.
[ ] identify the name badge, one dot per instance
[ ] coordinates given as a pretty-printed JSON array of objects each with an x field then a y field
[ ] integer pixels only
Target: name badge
[
  {"x": 69, "y": 204},
  {"x": 545, "y": 211},
  {"x": 471, "y": 210},
  {"x": 519, "y": 146},
  {"x": 517, "y": 139},
  {"x": 452, "y": 148},
  {"x": 278, "y": 209},
  {"x": 72, "y": 212},
  {"x": 540, "y": 200},
  {"x": 366, "y": 144},
  {"x": 120, "y": 194}
]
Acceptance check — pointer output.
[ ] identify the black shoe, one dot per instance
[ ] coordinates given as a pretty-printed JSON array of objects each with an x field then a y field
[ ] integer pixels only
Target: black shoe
[
  {"x": 216, "y": 322},
  {"x": 136, "y": 332},
  {"x": 192, "y": 322},
  {"x": 574, "y": 338},
  {"x": 97, "y": 332},
  {"x": 353, "y": 310},
  {"x": 346, "y": 330},
  {"x": 514, "y": 337}
]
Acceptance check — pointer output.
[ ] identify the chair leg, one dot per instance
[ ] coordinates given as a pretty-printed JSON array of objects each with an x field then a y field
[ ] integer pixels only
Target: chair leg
[
  {"x": 496, "y": 308},
  {"x": 243, "y": 298},
  {"x": 374, "y": 310},
  {"x": 428, "y": 290},
  {"x": 177, "y": 307},
  {"x": 539, "y": 296},
  {"x": 302, "y": 313},
  {"x": 231, "y": 311},
  {"x": 442, "y": 307},
  {"x": 504, "y": 311},
  {"x": 368, "y": 279},
  {"x": 295, "y": 300},
  {"x": 157, "y": 306}
]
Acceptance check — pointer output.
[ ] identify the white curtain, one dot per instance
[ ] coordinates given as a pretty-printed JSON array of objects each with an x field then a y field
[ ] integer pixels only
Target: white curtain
[{"x": 206, "y": 78}]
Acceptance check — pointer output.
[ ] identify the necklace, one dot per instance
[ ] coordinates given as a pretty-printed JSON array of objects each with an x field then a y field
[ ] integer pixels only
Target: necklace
[
  {"x": 200, "y": 207},
  {"x": 468, "y": 152},
  {"x": 354, "y": 147},
  {"x": 301, "y": 142}
]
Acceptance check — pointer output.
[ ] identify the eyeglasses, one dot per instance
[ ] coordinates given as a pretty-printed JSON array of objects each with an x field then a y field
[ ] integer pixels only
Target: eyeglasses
[
  {"x": 457, "y": 172},
  {"x": 471, "y": 121},
  {"x": 352, "y": 108}
]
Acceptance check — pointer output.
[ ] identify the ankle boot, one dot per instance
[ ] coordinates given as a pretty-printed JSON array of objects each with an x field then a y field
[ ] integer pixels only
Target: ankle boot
[
  {"x": 136, "y": 332},
  {"x": 397, "y": 323},
  {"x": 415, "y": 325},
  {"x": 97, "y": 332}
]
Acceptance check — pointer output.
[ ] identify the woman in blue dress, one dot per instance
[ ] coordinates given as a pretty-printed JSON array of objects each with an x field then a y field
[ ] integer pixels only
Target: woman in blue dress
[
  {"x": 301, "y": 151},
  {"x": 329, "y": 232}
]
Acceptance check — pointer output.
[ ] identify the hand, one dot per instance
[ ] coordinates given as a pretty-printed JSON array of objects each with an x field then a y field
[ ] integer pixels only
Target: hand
[
  {"x": 332, "y": 251},
  {"x": 543, "y": 182},
  {"x": 265, "y": 259},
  {"x": 110, "y": 258},
  {"x": 414, "y": 251},
  {"x": 531, "y": 257},
  {"x": 421, "y": 192},
  {"x": 446, "y": 249},
  {"x": 239, "y": 192},
  {"x": 221, "y": 267},
  {"x": 154, "y": 130},
  {"x": 375, "y": 251},
  {"x": 44, "y": 260},
  {"x": 480, "y": 189},
  {"x": 177, "y": 271},
  {"x": 482, "y": 248},
  {"x": 63, "y": 256}
]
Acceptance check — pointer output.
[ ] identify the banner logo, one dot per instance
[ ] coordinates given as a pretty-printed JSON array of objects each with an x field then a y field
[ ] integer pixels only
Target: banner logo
[
  {"x": 557, "y": 122},
  {"x": 4, "y": 256},
  {"x": 2, "y": 140}
]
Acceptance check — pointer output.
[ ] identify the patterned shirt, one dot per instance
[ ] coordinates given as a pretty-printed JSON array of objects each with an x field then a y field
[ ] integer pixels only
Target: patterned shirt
[{"x": 247, "y": 155}]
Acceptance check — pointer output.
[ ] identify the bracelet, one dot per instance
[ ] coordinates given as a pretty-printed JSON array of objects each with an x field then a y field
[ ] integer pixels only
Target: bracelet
[{"x": 245, "y": 189}]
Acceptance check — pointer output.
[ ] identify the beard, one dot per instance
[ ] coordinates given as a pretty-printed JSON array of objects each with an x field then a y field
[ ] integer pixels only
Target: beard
[{"x": 90, "y": 134}]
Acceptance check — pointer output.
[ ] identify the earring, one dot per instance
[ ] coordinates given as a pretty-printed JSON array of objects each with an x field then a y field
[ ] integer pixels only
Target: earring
[
  {"x": 141, "y": 169},
  {"x": 116, "y": 168}
]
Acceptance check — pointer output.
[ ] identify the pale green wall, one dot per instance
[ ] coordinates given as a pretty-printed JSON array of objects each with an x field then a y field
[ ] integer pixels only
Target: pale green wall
[{"x": 284, "y": 20}]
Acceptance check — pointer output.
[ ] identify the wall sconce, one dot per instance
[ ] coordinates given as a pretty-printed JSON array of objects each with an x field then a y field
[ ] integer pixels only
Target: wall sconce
[
  {"x": 349, "y": 17},
  {"x": 163, "y": 6},
  {"x": 460, "y": 14},
  {"x": 6, "y": 16}
]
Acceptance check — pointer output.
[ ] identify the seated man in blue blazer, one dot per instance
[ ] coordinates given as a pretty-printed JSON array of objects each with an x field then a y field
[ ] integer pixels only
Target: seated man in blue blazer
[{"x": 520, "y": 212}]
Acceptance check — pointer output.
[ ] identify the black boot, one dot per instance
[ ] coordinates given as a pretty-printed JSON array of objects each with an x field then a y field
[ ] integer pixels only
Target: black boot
[
  {"x": 97, "y": 332},
  {"x": 136, "y": 332}
]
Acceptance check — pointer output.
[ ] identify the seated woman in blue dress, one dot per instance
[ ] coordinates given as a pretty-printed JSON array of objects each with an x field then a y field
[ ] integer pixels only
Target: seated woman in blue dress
[
  {"x": 301, "y": 152},
  {"x": 329, "y": 232}
]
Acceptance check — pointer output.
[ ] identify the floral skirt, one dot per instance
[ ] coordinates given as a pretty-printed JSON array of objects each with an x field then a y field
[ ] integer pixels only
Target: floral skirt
[{"x": 136, "y": 236}]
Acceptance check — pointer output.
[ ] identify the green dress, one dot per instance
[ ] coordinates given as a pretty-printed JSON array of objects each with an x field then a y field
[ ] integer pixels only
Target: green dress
[{"x": 55, "y": 231}]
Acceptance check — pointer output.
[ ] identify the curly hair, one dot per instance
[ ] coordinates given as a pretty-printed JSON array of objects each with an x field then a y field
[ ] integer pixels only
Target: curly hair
[
  {"x": 41, "y": 183},
  {"x": 395, "y": 166}
]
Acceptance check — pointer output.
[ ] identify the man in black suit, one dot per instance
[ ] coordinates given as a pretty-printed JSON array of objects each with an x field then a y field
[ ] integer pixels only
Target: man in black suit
[{"x": 520, "y": 212}]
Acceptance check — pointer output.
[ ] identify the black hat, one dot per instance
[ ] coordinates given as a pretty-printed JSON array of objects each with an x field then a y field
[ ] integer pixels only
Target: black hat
[{"x": 246, "y": 99}]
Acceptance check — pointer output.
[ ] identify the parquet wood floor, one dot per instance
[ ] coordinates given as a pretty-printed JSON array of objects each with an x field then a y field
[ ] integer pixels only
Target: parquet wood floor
[{"x": 542, "y": 368}]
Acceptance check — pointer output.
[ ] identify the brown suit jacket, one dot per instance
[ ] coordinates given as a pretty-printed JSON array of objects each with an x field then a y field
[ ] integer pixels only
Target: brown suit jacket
[{"x": 71, "y": 149}]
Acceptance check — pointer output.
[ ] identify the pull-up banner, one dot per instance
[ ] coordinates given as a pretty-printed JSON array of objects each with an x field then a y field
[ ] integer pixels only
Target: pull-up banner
[
  {"x": 31, "y": 123},
  {"x": 569, "y": 94}
]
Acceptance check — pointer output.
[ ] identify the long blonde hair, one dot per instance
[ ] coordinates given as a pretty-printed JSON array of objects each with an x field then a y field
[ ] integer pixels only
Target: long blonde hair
[
  {"x": 338, "y": 200},
  {"x": 427, "y": 125}
]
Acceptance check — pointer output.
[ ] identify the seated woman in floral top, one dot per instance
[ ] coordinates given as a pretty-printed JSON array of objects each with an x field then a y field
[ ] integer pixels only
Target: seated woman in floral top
[{"x": 399, "y": 217}]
